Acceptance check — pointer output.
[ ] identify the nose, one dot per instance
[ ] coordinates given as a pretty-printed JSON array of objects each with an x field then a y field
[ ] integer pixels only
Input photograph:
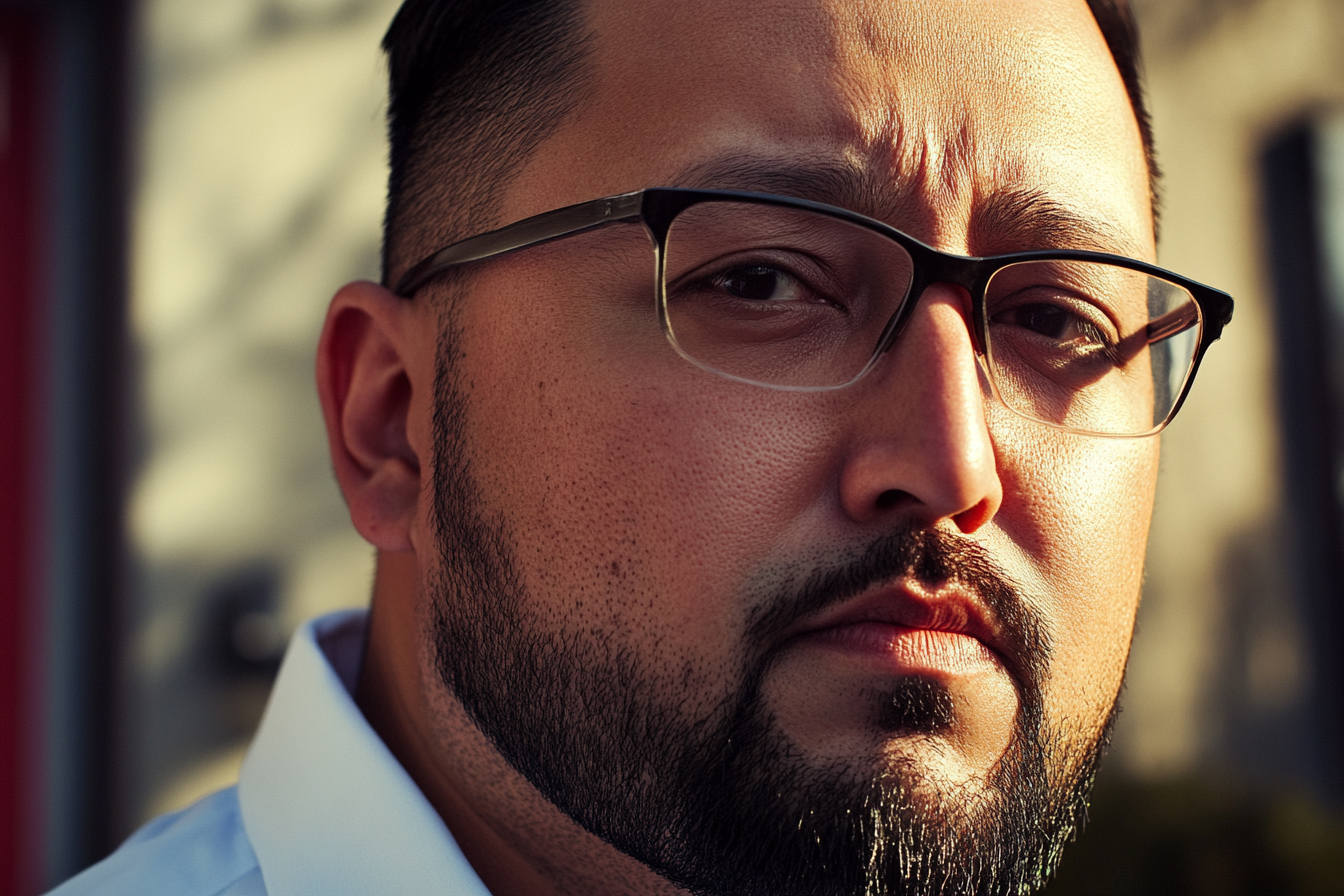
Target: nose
[{"x": 921, "y": 450}]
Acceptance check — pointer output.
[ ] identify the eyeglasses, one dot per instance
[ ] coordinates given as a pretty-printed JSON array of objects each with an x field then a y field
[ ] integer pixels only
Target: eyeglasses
[{"x": 796, "y": 295}]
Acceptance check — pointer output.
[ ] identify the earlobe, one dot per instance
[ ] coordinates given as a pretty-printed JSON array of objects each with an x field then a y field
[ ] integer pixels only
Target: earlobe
[{"x": 366, "y": 380}]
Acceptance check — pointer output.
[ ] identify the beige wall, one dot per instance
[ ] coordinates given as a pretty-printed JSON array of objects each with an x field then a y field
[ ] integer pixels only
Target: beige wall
[{"x": 260, "y": 191}]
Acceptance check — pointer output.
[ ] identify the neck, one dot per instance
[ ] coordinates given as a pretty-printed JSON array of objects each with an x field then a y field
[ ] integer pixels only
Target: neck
[{"x": 518, "y": 843}]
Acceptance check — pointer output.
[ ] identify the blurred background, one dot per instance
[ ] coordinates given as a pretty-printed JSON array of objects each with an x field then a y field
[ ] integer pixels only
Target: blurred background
[{"x": 184, "y": 183}]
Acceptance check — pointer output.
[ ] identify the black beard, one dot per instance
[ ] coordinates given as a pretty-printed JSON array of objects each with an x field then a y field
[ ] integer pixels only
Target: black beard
[{"x": 716, "y": 798}]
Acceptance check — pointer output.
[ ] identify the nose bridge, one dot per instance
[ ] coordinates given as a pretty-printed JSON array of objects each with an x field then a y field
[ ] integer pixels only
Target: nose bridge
[
  {"x": 938, "y": 314},
  {"x": 925, "y": 435},
  {"x": 931, "y": 268}
]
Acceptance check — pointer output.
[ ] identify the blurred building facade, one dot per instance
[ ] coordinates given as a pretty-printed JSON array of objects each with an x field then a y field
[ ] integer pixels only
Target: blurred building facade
[
  {"x": 258, "y": 182},
  {"x": 1227, "y": 671},
  {"x": 260, "y": 187}
]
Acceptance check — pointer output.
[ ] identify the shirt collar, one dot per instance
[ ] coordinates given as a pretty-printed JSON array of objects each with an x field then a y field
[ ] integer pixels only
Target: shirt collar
[{"x": 327, "y": 807}]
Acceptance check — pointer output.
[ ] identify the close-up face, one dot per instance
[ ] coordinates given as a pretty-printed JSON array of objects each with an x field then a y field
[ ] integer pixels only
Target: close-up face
[{"x": 693, "y": 610}]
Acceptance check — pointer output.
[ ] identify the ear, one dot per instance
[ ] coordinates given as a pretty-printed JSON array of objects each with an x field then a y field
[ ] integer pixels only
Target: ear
[{"x": 365, "y": 379}]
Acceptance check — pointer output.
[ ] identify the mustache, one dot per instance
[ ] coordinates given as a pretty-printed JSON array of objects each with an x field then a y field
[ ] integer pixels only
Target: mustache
[{"x": 933, "y": 558}]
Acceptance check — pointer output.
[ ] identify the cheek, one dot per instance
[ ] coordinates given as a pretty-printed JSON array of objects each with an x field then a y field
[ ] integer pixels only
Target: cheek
[
  {"x": 638, "y": 489},
  {"x": 1079, "y": 509}
]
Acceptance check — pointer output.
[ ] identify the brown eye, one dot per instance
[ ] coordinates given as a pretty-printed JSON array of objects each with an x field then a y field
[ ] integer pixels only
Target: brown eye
[
  {"x": 1053, "y": 322},
  {"x": 1048, "y": 320},
  {"x": 756, "y": 283}
]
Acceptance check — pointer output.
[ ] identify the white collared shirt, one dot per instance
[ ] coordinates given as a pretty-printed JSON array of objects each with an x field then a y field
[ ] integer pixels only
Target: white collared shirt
[{"x": 321, "y": 805}]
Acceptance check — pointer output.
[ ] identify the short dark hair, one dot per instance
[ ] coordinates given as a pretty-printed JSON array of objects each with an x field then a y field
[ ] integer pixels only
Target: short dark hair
[{"x": 476, "y": 85}]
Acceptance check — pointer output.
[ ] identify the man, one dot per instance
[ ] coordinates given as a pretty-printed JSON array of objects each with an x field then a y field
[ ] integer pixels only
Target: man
[{"x": 741, "y": 537}]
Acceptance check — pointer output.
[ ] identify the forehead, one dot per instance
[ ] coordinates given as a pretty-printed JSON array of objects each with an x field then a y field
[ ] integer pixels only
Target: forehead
[{"x": 932, "y": 110}]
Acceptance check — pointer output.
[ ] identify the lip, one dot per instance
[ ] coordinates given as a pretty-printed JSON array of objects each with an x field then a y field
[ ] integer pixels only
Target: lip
[{"x": 909, "y": 629}]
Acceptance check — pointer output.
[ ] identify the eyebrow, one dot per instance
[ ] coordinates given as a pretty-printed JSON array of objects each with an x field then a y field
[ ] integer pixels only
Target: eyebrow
[
  {"x": 1013, "y": 220},
  {"x": 735, "y": 171},
  {"x": 1010, "y": 220}
]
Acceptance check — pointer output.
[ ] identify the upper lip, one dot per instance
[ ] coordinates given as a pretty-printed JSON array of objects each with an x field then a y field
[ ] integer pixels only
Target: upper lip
[{"x": 948, "y": 607}]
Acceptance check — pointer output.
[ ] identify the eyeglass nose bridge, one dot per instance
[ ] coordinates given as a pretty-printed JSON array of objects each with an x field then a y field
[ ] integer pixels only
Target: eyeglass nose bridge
[{"x": 930, "y": 267}]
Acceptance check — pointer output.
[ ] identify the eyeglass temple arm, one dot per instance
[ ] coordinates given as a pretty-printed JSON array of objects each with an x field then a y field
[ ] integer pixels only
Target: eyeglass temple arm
[
  {"x": 542, "y": 228},
  {"x": 1218, "y": 314},
  {"x": 1175, "y": 321},
  {"x": 1171, "y": 323}
]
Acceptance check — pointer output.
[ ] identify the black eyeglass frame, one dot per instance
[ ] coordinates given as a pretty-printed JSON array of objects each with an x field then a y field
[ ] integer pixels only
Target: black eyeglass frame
[{"x": 657, "y": 207}]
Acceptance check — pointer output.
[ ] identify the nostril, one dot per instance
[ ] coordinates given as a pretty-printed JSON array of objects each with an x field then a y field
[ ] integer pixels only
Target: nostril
[{"x": 890, "y": 498}]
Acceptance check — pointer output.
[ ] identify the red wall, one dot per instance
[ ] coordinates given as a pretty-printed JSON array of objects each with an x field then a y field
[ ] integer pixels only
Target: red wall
[{"x": 20, "y": 251}]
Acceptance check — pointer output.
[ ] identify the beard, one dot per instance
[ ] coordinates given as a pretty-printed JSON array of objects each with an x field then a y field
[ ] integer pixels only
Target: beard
[{"x": 713, "y": 795}]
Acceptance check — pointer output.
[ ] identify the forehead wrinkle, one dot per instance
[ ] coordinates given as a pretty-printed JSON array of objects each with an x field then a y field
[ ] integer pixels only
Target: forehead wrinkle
[
  {"x": 875, "y": 161},
  {"x": 938, "y": 162},
  {"x": 886, "y": 73},
  {"x": 907, "y": 162}
]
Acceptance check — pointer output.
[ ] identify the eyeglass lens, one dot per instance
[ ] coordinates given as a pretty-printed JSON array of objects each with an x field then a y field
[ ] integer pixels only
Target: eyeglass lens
[{"x": 795, "y": 298}]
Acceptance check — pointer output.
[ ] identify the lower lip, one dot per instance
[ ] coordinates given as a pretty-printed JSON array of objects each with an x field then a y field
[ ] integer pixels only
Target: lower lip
[{"x": 908, "y": 650}]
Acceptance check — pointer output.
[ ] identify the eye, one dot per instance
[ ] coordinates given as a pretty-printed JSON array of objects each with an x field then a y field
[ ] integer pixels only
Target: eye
[
  {"x": 1065, "y": 324},
  {"x": 1050, "y": 321},
  {"x": 759, "y": 283}
]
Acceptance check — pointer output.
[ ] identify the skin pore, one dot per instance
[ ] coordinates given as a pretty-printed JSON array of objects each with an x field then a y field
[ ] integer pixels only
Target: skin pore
[{"x": 652, "y": 511}]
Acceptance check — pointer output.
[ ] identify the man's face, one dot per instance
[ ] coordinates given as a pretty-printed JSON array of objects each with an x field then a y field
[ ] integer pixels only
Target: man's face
[{"x": 691, "y": 610}]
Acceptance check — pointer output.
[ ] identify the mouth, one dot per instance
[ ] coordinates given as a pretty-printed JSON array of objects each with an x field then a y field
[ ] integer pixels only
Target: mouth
[{"x": 906, "y": 629}]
